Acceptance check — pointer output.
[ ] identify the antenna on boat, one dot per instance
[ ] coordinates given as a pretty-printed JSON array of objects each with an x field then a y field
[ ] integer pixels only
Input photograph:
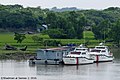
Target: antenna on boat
[
  {"x": 101, "y": 44},
  {"x": 81, "y": 45}
]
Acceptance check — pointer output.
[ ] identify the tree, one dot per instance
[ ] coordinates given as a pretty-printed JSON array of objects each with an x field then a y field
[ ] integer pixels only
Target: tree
[
  {"x": 96, "y": 32},
  {"x": 76, "y": 24},
  {"x": 51, "y": 19},
  {"x": 115, "y": 32},
  {"x": 55, "y": 33},
  {"x": 71, "y": 33},
  {"x": 19, "y": 37},
  {"x": 102, "y": 29},
  {"x": 80, "y": 27}
]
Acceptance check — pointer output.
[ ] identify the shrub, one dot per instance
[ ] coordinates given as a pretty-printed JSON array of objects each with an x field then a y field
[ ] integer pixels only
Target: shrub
[{"x": 51, "y": 43}]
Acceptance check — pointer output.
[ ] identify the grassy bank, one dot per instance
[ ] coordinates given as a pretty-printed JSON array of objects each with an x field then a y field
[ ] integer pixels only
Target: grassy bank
[{"x": 33, "y": 46}]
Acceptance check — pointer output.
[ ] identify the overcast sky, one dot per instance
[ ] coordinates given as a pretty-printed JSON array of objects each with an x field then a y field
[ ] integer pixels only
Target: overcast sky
[{"x": 81, "y": 4}]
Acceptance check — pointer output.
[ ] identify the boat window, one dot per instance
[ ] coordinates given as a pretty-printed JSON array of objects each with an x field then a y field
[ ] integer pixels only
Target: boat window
[
  {"x": 75, "y": 53},
  {"x": 83, "y": 53},
  {"x": 78, "y": 49},
  {"x": 94, "y": 50},
  {"x": 81, "y": 49},
  {"x": 57, "y": 54},
  {"x": 103, "y": 51}
]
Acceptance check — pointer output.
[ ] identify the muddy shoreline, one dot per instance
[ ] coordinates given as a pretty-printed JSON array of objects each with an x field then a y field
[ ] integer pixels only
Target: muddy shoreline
[{"x": 16, "y": 56}]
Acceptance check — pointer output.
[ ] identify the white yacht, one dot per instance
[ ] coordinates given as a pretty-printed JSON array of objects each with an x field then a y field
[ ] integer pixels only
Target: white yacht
[
  {"x": 78, "y": 56},
  {"x": 101, "y": 53}
]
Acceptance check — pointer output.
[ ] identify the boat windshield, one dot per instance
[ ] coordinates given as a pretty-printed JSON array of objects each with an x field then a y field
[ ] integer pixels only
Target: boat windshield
[
  {"x": 100, "y": 47},
  {"x": 95, "y": 50},
  {"x": 75, "y": 53}
]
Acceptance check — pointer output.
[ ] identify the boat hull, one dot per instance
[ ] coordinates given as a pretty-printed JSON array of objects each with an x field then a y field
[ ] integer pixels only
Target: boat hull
[
  {"x": 102, "y": 58},
  {"x": 51, "y": 62},
  {"x": 77, "y": 60}
]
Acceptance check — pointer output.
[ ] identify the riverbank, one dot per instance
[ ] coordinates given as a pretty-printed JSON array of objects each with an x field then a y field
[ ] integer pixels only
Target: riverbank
[
  {"x": 8, "y": 38},
  {"x": 17, "y": 56},
  {"x": 25, "y": 55}
]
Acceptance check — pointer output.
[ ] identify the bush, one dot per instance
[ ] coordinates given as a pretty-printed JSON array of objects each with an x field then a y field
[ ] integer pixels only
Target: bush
[
  {"x": 19, "y": 37},
  {"x": 55, "y": 33},
  {"x": 51, "y": 43},
  {"x": 37, "y": 39}
]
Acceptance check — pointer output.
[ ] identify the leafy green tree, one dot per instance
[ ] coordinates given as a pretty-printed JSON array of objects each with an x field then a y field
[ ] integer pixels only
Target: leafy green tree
[
  {"x": 102, "y": 29},
  {"x": 55, "y": 33},
  {"x": 71, "y": 33},
  {"x": 51, "y": 20},
  {"x": 115, "y": 32},
  {"x": 80, "y": 27},
  {"x": 96, "y": 32},
  {"x": 18, "y": 18},
  {"x": 76, "y": 24},
  {"x": 19, "y": 37}
]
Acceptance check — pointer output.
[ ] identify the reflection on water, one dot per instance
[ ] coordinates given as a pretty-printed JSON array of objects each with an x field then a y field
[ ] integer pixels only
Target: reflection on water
[
  {"x": 104, "y": 71},
  {"x": 15, "y": 68},
  {"x": 100, "y": 71}
]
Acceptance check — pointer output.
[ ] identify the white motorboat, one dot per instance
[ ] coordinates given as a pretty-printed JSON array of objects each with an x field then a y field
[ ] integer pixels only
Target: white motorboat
[
  {"x": 101, "y": 54},
  {"x": 78, "y": 56}
]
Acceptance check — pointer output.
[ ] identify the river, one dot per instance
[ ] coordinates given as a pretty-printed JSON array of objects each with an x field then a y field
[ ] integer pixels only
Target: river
[{"x": 22, "y": 70}]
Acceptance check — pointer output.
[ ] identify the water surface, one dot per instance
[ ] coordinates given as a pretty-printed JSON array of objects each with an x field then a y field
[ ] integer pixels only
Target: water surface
[{"x": 100, "y": 71}]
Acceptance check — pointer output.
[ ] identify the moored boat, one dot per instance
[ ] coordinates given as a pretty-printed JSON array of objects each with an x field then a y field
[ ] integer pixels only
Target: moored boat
[
  {"x": 78, "y": 56},
  {"x": 101, "y": 53},
  {"x": 50, "y": 55}
]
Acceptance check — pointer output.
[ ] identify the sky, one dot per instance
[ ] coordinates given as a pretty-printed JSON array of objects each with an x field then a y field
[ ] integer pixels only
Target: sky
[{"x": 81, "y": 4}]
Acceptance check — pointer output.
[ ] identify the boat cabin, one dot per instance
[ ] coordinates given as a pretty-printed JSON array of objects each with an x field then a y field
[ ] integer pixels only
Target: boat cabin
[
  {"x": 81, "y": 49},
  {"x": 55, "y": 54}
]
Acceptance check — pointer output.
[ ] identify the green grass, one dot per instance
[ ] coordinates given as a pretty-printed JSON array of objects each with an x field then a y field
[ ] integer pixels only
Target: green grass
[
  {"x": 88, "y": 35},
  {"x": 9, "y": 39},
  {"x": 32, "y": 46}
]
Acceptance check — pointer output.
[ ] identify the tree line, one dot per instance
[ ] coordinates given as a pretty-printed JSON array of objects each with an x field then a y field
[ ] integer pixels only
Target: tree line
[{"x": 66, "y": 24}]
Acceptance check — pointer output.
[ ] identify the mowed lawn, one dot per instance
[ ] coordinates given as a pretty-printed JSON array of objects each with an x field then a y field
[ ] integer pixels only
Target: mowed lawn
[{"x": 8, "y": 38}]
